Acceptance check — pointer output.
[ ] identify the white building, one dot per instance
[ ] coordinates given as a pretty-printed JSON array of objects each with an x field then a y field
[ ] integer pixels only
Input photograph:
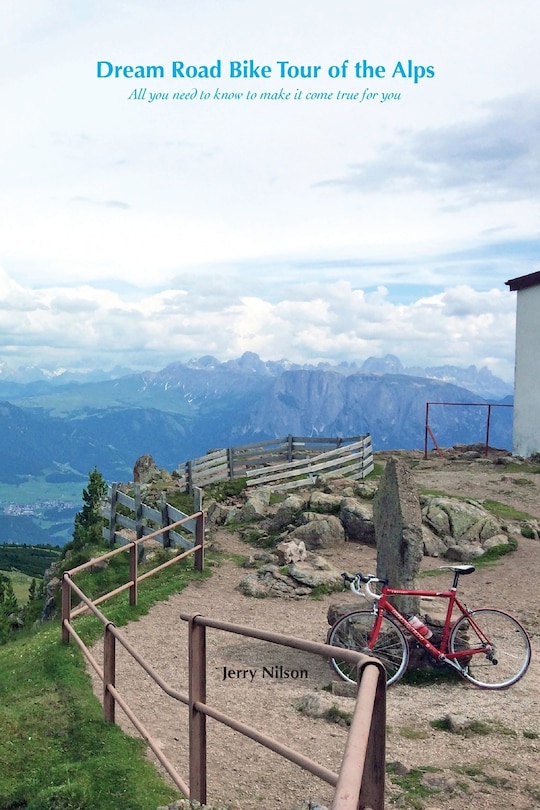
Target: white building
[{"x": 526, "y": 439}]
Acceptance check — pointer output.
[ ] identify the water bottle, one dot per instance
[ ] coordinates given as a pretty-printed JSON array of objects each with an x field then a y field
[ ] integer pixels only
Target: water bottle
[{"x": 420, "y": 627}]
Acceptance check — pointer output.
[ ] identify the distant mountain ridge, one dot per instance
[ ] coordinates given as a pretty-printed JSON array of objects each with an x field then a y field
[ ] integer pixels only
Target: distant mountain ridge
[
  {"x": 184, "y": 409},
  {"x": 54, "y": 432}
]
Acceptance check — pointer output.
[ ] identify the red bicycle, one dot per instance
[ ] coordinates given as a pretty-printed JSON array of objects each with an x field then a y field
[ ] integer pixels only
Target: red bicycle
[{"x": 487, "y": 647}]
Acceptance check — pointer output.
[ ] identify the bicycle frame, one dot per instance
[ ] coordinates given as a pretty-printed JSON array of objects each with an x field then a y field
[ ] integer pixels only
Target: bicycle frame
[{"x": 383, "y": 606}]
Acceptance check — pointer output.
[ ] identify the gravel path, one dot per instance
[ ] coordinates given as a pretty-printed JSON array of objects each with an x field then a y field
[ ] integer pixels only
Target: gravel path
[{"x": 500, "y": 768}]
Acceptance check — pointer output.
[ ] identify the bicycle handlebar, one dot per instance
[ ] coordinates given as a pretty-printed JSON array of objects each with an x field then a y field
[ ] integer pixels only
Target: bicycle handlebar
[{"x": 366, "y": 579}]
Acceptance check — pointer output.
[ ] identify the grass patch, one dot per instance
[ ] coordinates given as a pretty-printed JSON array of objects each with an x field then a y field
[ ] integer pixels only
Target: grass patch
[
  {"x": 56, "y": 751},
  {"x": 494, "y": 553},
  {"x": 336, "y": 715},
  {"x": 505, "y": 512},
  {"x": 20, "y": 583},
  {"x": 409, "y": 733},
  {"x": 414, "y": 791},
  {"x": 479, "y": 727},
  {"x": 525, "y": 467},
  {"x": 226, "y": 489},
  {"x": 530, "y": 735},
  {"x": 430, "y": 677},
  {"x": 319, "y": 591}
]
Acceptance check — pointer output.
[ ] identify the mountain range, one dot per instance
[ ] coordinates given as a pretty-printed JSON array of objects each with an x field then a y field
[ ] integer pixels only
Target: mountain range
[
  {"x": 58, "y": 426},
  {"x": 63, "y": 429}
]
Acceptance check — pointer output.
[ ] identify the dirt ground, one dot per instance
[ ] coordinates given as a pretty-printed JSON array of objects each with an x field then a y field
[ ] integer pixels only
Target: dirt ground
[{"x": 497, "y": 766}]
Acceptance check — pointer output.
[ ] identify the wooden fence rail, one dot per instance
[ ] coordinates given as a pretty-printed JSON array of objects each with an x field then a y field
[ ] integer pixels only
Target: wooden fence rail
[
  {"x": 144, "y": 520},
  {"x": 278, "y": 461}
]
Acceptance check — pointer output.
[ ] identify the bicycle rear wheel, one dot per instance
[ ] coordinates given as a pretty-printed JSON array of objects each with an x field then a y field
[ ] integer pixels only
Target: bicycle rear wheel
[
  {"x": 509, "y": 655},
  {"x": 353, "y": 632}
]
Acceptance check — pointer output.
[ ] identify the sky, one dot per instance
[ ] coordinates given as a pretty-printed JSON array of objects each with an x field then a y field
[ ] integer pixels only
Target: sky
[{"x": 374, "y": 201}]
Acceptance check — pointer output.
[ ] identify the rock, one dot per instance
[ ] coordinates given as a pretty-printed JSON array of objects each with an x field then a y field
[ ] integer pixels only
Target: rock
[
  {"x": 457, "y": 723},
  {"x": 357, "y": 520},
  {"x": 316, "y": 573},
  {"x": 217, "y": 513},
  {"x": 288, "y": 512},
  {"x": 444, "y": 782},
  {"x": 434, "y": 546},
  {"x": 398, "y": 529},
  {"x": 255, "y": 506},
  {"x": 398, "y": 768},
  {"x": 291, "y": 552},
  {"x": 145, "y": 470},
  {"x": 324, "y": 532},
  {"x": 325, "y": 503},
  {"x": 459, "y": 530},
  {"x": 338, "y": 609},
  {"x": 253, "y": 585}
]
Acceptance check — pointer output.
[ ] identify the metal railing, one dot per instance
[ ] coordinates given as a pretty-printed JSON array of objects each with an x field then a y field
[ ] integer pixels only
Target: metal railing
[
  {"x": 360, "y": 782},
  {"x": 428, "y": 432}
]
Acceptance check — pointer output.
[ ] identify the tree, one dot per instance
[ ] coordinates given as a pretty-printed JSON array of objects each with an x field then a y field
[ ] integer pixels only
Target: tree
[{"x": 89, "y": 522}]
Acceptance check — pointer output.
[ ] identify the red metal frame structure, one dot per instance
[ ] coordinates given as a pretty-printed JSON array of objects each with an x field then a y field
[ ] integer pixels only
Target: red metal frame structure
[{"x": 489, "y": 406}]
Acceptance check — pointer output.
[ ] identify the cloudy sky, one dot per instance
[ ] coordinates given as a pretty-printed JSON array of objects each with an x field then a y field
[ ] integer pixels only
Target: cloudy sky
[{"x": 137, "y": 230}]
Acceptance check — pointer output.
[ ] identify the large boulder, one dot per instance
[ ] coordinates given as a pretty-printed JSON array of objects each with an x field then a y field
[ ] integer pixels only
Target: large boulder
[
  {"x": 255, "y": 507},
  {"x": 459, "y": 530},
  {"x": 287, "y": 512},
  {"x": 324, "y": 532},
  {"x": 325, "y": 503},
  {"x": 357, "y": 520}
]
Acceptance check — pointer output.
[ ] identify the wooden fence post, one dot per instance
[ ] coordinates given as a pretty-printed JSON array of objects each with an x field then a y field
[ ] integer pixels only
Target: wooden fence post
[
  {"x": 189, "y": 476},
  {"x": 165, "y": 521},
  {"x": 109, "y": 674},
  {"x": 66, "y": 607},
  {"x": 133, "y": 573},
  {"x": 198, "y": 562},
  {"x": 290, "y": 448},
  {"x": 112, "y": 514},
  {"x": 230, "y": 462}
]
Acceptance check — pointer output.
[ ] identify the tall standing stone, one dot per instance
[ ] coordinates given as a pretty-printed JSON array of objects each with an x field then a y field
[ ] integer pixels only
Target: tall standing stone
[{"x": 398, "y": 532}]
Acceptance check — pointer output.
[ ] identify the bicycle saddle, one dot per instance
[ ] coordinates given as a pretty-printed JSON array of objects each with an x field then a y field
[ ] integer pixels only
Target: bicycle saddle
[{"x": 460, "y": 569}]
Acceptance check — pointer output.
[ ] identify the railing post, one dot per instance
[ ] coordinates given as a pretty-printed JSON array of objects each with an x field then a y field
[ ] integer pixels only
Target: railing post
[
  {"x": 133, "y": 572},
  {"x": 66, "y": 607},
  {"x": 372, "y": 790},
  {"x": 198, "y": 562},
  {"x": 197, "y": 720},
  {"x": 109, "y": 674},
  {"x": 486, "y": 452}
]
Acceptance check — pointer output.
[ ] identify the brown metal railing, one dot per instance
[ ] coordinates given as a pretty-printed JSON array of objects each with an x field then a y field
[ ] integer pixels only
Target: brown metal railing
[{"x": 360, "y": 783}]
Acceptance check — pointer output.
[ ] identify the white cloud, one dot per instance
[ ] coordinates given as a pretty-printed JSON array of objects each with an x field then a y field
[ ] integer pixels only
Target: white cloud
[
  {"x": 457, "y": 326},
  {"x": 172, "y": 229}
]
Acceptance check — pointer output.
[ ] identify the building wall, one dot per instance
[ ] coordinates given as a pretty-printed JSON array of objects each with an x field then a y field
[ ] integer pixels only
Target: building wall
[{"x": 526, "y": 440}]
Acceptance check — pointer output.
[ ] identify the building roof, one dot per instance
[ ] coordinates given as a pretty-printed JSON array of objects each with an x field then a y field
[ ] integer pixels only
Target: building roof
[{"x": 520, "y": 283}]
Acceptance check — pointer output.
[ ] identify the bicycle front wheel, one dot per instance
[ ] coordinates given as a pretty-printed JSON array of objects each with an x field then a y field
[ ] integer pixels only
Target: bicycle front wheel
[
  {"x": 353, "y": 632},
  {"x": 509, "y": 654}
]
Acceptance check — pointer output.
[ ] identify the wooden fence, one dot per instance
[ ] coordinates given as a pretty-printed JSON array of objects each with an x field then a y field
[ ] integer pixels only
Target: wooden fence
[
  {"x": 282, "y": 463},
  {"x": 144, "y": 520}
]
